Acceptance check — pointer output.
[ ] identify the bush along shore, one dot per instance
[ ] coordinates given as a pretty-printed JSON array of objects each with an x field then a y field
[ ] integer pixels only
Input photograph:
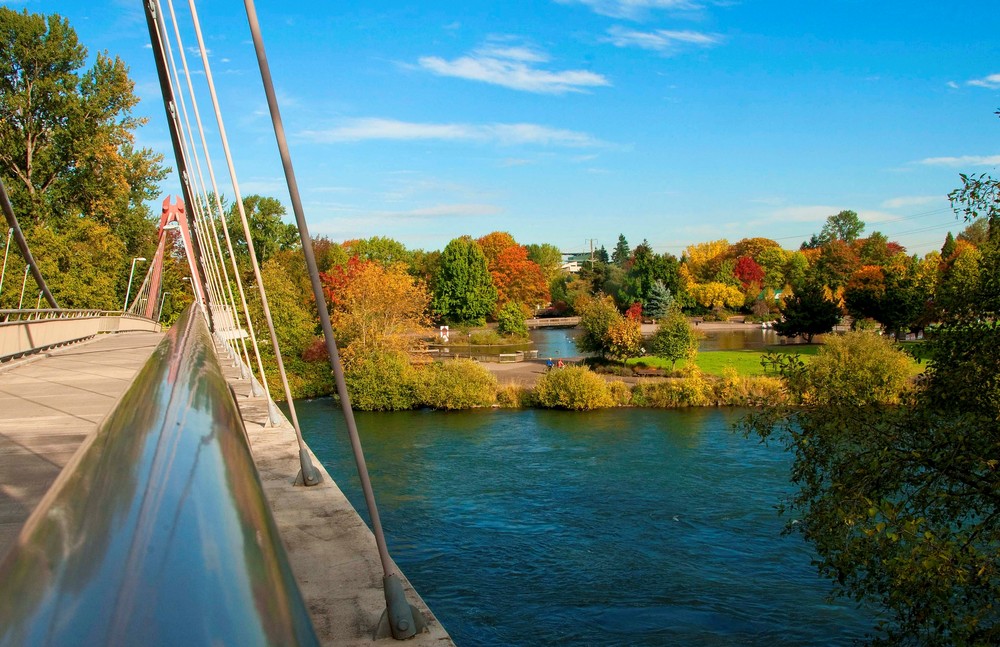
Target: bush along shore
[{"x": 390, "y": 382}]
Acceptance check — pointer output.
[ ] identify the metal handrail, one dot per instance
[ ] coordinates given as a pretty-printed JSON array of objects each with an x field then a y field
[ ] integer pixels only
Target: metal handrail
[
  {"x": 36, "y": 314},
  {"x": 157, "y": 532}
]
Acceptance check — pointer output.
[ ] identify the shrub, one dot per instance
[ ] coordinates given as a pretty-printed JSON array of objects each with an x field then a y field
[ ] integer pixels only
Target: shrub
[
  {"x": 381, "y": 381},
  {"x": 692, "y": 390},
  {"x": 736, "y": 390},
  {"x": 456, "y": 384},
  {"x": 514, "y": 396},
  {"x": 485, "y": 338},
  {"x": 857, "y": 369},
  {"x": 574, "y": 387},
  {"x": 621, "y": 393}
]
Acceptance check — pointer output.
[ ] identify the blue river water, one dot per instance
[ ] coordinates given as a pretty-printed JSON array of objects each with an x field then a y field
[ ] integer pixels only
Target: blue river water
[{"x": 618, "y": 527}]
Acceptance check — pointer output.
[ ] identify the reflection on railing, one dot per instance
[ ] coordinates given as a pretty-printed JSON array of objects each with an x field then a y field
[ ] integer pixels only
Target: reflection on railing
[
  {"x": 157, "y": 532},
  {"x": 28, "y": 331}
]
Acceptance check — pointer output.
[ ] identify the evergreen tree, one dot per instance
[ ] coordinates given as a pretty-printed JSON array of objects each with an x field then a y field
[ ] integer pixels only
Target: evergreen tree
[
  {"x": 660, "y": 301},
  {"x": 463, "y": 288},
  {"x": 622, "y": 251},
  {"x": 948, "y": 248},
  {"x": 808, "y": 312}
]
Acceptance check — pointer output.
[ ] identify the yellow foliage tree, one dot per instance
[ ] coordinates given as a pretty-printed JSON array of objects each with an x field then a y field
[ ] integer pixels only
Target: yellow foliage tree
[
  {"x": 703, "y": 259},
  {"x": 716, "y": 295},
  {"x": 380, "y": 307}
]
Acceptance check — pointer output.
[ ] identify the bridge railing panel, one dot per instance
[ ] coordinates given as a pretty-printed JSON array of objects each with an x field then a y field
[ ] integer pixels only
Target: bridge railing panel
[{"x": 157, "y": 531}]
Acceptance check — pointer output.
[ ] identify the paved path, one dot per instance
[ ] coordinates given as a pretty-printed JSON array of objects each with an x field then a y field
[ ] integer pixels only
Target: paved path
[{"x": 50, "y": 403}]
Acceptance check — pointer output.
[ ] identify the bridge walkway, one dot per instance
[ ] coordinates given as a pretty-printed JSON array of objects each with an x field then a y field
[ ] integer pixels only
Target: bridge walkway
[
  {"x": 50, "y": 403},
  {"x": 53, "y": 400}
]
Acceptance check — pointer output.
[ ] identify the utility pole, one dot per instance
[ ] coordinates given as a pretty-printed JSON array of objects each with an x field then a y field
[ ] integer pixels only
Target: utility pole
[{"x": 592, "y": 241}]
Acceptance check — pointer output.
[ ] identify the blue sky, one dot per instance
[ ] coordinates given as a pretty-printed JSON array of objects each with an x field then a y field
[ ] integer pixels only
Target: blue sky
[{"x": 561, "y": 121}]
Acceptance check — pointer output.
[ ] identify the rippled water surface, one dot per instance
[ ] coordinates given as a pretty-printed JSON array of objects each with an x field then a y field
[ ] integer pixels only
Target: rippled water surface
[{"x": 632, "y": 527}]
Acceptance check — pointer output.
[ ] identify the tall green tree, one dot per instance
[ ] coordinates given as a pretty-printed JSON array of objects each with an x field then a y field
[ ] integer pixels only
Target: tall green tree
[
  {"x": 270, "y": 234},
  {"x": 463, "y": 290},
  {"x": 67, "y": 134},
  {"x": 621, "y": 252}
]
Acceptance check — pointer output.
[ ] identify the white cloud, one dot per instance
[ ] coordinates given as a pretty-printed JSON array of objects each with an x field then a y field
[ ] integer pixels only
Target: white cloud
[
  {"x": 964, "y": 160},
  {"x": 904, "y": 202},
  {"x": 502, "y": 134},
  {"x": 991, "y": 82},
  {"x": 634, "y": 9},
  {"x": 660, "y": 40},
  {"x": 513, "y": 67}
]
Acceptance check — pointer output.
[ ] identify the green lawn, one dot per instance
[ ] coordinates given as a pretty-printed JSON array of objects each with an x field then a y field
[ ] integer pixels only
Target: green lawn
[{"x": 746, "y": 362}]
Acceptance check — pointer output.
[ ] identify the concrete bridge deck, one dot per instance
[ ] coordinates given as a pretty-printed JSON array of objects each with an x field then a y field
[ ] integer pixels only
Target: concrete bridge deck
[{"x": 52, "y": 401}]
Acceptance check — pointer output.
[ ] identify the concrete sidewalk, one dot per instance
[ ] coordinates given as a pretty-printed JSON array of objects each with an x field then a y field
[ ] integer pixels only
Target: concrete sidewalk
[{"x": 50, "y": 403}]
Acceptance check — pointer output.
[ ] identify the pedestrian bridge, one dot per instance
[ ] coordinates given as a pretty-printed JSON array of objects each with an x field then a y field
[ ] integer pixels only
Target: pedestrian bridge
[{"x": 145, "y": 498}]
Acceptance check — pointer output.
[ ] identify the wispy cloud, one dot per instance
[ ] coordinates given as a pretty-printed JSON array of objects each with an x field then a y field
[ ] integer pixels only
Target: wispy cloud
[
  {"x": 635, "y": 9},
  {"x": 661, "y": 40},
  {"x": 502, "y": 134},
  {"x": 964, "y": 160},
  {"x": 906, "y": 201},
  {"x": 991, "y": 82},
  {"x": 515, "y": 67}
]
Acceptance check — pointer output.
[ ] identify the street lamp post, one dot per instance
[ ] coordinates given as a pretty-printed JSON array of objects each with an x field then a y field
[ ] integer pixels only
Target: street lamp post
[
  {"x": 24, "y": 282},
  {"x": 160, "y": 311},
  {"x": 128, "y": 292},
  {"x": 10, "y": 234}
]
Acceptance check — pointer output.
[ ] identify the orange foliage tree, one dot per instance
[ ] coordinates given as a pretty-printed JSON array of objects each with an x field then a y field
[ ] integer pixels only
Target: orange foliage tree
[
  {"x": 518, "y": 279},
  {"x": 375, "y": 307}
]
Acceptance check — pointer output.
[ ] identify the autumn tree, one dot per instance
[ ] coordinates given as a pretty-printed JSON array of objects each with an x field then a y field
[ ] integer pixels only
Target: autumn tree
[
  {"x": 494, "y": 244},
  {"x": 463, "y": 290},
  {"x": 716, "y": 295},
  {"x": 597, "y": 316},
  {"x": 747, "y": 271},
  {"x": 518, "y": 279},
  {"x": 623, "y": 339},
  {"x": 703, "y": 259},
  {"x": 379, "y": 308}
]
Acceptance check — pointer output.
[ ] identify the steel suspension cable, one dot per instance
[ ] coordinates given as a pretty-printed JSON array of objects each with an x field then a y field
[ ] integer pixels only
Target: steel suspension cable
[
  {"x": 403, "y": 619},
  {"x": 22, "y": 244},
  {"x": 310, "y": 475},
  {"x": 222, "y": 216},
  {"x": 198, "y": 206}
]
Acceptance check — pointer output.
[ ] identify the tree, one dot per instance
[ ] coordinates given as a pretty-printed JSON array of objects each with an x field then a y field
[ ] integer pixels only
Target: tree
[
  {"x": 495, "y": 244},
  {"x": 807, "y": 312},
  {"x": 703, "y": 259},
  {"x": 747, "y": 271},
  {"x": 716, "y": 295},
  {"x": 267, "y": 230},
  {"x": 511, "y": 320},
  {"x": 66, "y": 137},
  {"x": 380, "y": 249},
  {"x": 517, "y": 279},
  {"x": 845, "y": 226},
  {"x": 674, "y": 339},
  {"x": 624, "y": 339},
  {"x": 622, "y": 251},
  {"x": 463, "y": 288},
  {"x": 902, "y": 503},
  {"x": 379, "y": 308},
  {"x": 660, "y": 301},
  {"x": 948, "y": 248},
  {"x": 548, "y": 257},
  {"x": 597, "y": 316}
]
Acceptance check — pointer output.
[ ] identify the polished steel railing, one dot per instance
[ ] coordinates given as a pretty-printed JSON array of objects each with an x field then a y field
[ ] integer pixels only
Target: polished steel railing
[
  {"x": 27, "y": 331},
  {"x": 157, "y": 531}
]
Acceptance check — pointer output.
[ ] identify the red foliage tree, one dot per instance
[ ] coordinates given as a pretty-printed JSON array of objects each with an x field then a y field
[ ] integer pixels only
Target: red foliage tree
[
  {"x": 748, "y": 271},
  {"x": 634, "y": 312}
]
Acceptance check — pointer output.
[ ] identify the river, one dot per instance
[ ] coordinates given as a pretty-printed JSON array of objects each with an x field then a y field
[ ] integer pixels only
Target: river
[{"x": 618, "y": 527}]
